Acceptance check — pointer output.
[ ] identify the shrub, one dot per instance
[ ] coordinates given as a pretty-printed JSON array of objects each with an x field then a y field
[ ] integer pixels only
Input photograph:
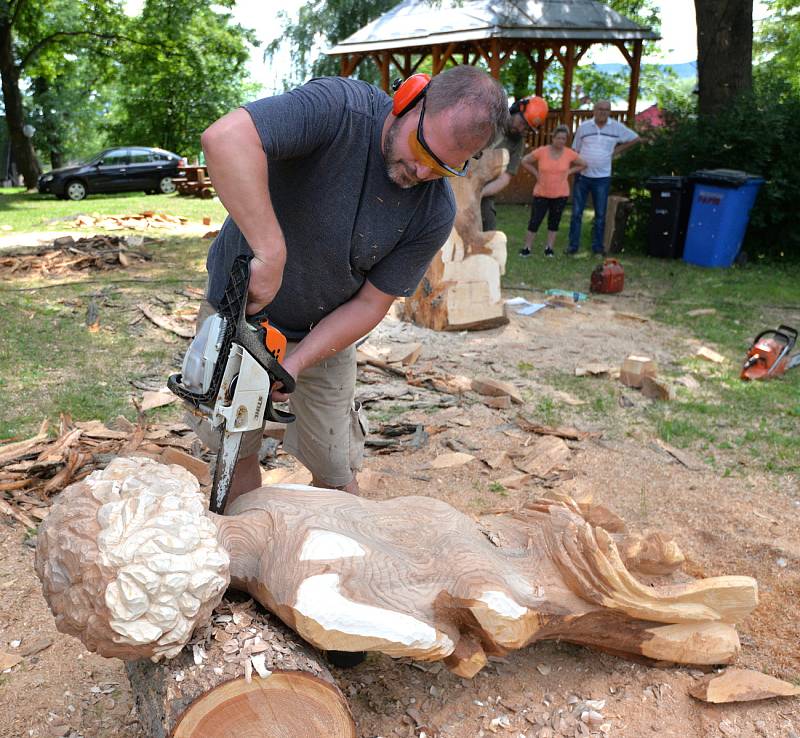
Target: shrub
[{"x": 755, "y": 134}]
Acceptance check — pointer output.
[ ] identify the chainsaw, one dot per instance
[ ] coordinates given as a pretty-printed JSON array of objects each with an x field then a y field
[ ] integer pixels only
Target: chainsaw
[
  {"x": 769, "y": 355},
  {"x": 228, "y": 373}
]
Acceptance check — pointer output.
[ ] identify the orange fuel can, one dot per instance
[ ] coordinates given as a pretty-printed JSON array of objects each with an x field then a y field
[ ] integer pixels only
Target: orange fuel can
[{"x": 608, "y": 277}]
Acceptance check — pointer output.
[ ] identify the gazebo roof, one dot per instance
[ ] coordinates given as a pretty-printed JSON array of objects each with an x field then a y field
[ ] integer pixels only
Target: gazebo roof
[{"x": 416, "y": 23}]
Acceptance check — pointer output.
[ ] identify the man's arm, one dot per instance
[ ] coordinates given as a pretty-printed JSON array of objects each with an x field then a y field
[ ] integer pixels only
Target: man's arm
[
  {"x": 237, "y": 165},
  {"x": 337, "y": 330},
  {"x": 577, "y": 142},
  {"x": 529, "y": 164},
  {"x": 622, "y": 148},
  {"x": 496, "y": 185},
  {"x": 578, "y": 165}
]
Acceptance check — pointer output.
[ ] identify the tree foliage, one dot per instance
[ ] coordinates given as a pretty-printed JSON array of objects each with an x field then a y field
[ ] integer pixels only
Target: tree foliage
[
  {"x": 777, "y": 43},
  {"x": 86, "y": 76},
  {"x": 34, "y": 37},
  {"x": 185, "y": 68},
  {"x": 321, "y": 24},
  {"x": 729, "y": 140}
]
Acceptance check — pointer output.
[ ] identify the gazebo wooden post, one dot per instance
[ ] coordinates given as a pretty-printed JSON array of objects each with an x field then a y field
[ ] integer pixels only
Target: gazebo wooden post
[
  {"x": 436, "y": 58},
  {"x": 568, "y": 60},
  {"x": 494, "y": 58},
  {"x": 384, "y": 62},
  {"x": 633, "y": 93},
  {"x": 541, "y": 68}
]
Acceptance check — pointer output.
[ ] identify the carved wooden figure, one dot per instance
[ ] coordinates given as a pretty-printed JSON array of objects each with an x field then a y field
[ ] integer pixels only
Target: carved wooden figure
[
  {"x": 461, "y": 289},
  {"x": 131, "y": 560}
]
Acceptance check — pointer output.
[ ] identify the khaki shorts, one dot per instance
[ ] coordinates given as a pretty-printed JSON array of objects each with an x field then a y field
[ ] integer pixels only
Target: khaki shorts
[{"x": 328, "y": 435}]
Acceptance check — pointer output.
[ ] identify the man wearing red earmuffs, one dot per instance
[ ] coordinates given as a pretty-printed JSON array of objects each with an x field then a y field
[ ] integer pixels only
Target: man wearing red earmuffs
[
  {"x": 338, "y": 192},
  {"x": 522, "y": 117}
]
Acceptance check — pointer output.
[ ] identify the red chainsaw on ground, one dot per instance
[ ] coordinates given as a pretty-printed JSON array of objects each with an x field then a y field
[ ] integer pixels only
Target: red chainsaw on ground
[{"x": 769, "y": 355}]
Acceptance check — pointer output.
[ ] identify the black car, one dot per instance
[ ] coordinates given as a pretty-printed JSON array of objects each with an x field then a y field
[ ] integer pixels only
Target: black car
[{"x": 123, "y": 169}]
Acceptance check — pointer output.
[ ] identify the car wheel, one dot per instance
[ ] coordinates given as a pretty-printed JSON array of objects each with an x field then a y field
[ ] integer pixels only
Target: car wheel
[
  {"x": 151, "y": 192},
  {"x": 166, "y": 186},
  {"x": 75, "y": 190}
]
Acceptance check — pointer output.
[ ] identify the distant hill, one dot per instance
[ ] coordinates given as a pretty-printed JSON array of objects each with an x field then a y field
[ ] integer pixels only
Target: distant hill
[{"x": 687, "y": 70}]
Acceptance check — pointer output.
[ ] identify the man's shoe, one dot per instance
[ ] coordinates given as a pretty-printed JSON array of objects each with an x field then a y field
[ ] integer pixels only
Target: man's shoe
[
  {"x": 548, "y": 252},
  {"x": 524, "y": 252},
  {"x": 571, "y": 252}
]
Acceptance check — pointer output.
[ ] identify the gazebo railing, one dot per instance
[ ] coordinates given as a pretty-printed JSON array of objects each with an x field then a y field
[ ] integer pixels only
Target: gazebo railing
[{"x": 556, "y": 117}]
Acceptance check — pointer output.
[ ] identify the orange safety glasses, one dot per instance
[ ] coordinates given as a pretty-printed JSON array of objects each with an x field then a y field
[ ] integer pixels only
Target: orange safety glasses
[{"x": 422, "y": 152}]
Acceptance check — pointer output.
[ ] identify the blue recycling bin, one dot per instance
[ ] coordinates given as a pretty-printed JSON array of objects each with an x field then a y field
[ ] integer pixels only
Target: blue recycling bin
[{"x": 720, "y": 213}]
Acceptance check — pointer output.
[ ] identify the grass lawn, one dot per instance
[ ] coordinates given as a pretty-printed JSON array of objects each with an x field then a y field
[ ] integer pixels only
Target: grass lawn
[
  {"x": 51, "y": 363},
  {"x": 34, "y": 212},
  {"x": 759, "y": 421}
]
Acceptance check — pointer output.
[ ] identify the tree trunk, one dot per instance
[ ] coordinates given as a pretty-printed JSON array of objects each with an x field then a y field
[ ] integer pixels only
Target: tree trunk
[
  {"x": 724, "y": 52},
  {"x": 21, "y": 145}
]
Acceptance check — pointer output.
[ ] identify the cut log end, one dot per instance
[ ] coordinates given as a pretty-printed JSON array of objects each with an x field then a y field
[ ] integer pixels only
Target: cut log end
[{"x": 289, "y": 704}]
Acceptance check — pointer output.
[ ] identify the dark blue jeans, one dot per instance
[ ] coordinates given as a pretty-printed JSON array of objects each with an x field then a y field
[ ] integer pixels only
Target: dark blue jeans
[{"x": 599, "y": 188}]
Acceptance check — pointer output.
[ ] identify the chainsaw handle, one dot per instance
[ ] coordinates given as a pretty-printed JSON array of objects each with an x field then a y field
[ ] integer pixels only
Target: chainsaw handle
[
  {"x": 790, "y": 332},
  {"x": 250, "y": 340},
  {"x": 784, "y": 333}
]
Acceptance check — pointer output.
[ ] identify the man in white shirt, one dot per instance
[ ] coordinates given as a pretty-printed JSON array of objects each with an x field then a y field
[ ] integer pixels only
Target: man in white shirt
[{"x": 598, "y": 141}]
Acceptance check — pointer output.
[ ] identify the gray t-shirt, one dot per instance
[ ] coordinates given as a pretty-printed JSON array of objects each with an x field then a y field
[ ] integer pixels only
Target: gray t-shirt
[{"x": 342, "y": 217}]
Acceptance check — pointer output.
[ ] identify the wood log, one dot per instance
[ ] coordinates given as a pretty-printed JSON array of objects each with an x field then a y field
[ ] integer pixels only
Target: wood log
[
  {"x": 461, "y": 288},
  {"x": 247, "y": 674},
  {"x": 635, "y": 369}
]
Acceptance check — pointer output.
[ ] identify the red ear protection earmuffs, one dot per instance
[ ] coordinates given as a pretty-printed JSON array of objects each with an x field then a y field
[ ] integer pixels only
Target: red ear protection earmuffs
[{"x": 409, "y": 92}]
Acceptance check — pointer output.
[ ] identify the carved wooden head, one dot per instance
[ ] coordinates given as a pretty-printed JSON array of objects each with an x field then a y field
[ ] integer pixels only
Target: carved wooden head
[{"x": 129, "y": 561}]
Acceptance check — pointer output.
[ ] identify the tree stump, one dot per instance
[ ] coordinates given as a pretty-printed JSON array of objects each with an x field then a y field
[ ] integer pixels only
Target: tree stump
[{"x": 461, "y": 289}]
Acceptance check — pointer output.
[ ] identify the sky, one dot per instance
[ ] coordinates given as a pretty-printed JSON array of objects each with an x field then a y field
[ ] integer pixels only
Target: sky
[{"x": 678, "y": 32}]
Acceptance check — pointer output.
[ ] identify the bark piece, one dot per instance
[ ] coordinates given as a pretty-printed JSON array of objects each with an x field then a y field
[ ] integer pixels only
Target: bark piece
[
  {"x": 498, "y": 403},
  {"x": 496, "y": 388},
  {"x": 167, "y": 323},
  {"x": 544, "y": 455},
  {"x": 198, "y": 467},
  {"x": 593, "y": 368},
  {"x": 447, "y": 461},
  {"x": 12, "y": 451},
  {"x": 8, "y": 660},
  {"x": 18, "y": 515},
  {"x": 152, "y": 400},
  {"x": 571, "y": 434},
  {"x": 684, "y": 457},
  {"x": 710, "y": 355},
  {"x": 741, "y": 685},
  {"x": 635, "y": 369},
  {"x": 406, "y": 354}
]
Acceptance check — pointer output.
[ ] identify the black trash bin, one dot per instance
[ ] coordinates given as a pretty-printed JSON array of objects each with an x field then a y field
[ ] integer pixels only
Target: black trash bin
[{"x": 670, "y": 205}]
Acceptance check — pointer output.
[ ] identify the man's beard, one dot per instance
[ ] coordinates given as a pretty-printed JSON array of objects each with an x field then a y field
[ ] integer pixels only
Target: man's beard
[{"x": 396, "y": 170}]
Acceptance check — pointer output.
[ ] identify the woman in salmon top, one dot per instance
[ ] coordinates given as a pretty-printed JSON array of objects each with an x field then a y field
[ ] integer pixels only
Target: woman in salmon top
[{"x": 550, "y": 166}]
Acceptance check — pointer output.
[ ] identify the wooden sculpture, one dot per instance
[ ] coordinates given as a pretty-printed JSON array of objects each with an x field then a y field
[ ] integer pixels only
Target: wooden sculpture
[
  {"x": 131, "y": 561},
  {"x": 461, "y": 289}
]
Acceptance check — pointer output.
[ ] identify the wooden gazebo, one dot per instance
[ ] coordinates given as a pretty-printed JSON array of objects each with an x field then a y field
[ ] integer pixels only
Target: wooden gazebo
[{"x": 453, "y": 32}]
